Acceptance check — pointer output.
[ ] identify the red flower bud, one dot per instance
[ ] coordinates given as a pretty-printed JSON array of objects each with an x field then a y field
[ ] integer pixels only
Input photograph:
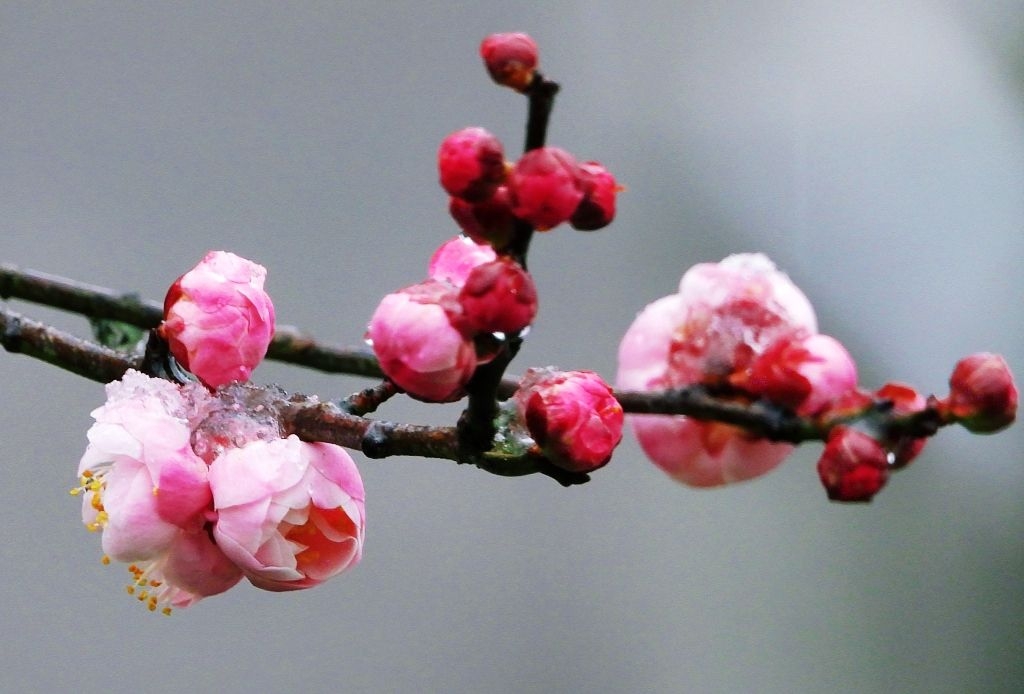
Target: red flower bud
[
  {"x": 853, "y": 466},
  {"x": 982, "y": 394},
  {"x": 499, "y": 297},
  {"x": 510, "y": 59},
  {"x": 545, "y": 187},
  {"x": 471, "y": 164},
  {"x": 488, "y": 221},
  {"x": 572, "y": 415},
  {"x": 597, "y": 208},
  {"x": 905, "y": 400}
]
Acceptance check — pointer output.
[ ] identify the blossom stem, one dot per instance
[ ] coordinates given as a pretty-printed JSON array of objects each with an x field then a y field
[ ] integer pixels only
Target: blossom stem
[{"x": 468, "y": 443}]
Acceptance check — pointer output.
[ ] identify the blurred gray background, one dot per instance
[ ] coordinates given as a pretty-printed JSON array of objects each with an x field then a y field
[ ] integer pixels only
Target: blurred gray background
[{"x": 875, "y": 150}]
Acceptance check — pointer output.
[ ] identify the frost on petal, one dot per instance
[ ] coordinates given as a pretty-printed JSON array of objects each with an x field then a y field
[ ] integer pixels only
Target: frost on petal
[{"x": 723, "y": 317}]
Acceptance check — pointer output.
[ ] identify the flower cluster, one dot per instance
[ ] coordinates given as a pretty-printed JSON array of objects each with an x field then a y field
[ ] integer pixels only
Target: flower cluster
[
  {"x": 742, "y": 328},
  {"x": 197, "y": 489},
  {"x": 431, "y": 336}
]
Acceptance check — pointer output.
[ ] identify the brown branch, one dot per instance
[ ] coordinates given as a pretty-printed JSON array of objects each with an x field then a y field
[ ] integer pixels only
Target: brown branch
[{"x": 26, "y": 336}]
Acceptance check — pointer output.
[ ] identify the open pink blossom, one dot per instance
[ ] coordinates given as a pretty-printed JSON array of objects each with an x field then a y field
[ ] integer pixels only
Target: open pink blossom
[
  {"x": 455, "y": 259},
  {"x": 724, "y": 315},
  {"x": 418, "y": 337},
  {"x": 148, "y": 492},
  {"x": 572, "y": 415},
  {"x": 289, "y": 513},
  {"x": 218, "y": 320}
]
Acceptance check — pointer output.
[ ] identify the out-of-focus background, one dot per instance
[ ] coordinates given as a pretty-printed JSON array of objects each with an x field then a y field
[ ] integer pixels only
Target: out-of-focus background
[{"x": 874, "y": 150}]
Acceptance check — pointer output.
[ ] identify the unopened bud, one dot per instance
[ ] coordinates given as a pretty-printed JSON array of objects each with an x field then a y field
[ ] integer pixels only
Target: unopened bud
[
  {"x": 471, "y": 164},
  {"x": 544, "y": 187},
  {"x": 499, "y": 297},
  {"x": 853, "y": 466},
  {"x": 511, "y": 59},
  {"x": 982, "y": 394},
  {"x": 573, "y": 417}
]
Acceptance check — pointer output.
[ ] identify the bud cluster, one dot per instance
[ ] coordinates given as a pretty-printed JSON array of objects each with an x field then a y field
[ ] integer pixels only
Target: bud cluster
[
  {"x": 430, "y": 337},
  {"x": 544, "y": 188}
]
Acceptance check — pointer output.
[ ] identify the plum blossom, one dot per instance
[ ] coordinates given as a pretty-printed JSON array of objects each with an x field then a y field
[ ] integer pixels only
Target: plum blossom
[
  {"x": 147, "y": 491},
  {"x": 289, "y": 513},
  {"x": 218, "y": 320},
  {"x": 724, "y": 316}
]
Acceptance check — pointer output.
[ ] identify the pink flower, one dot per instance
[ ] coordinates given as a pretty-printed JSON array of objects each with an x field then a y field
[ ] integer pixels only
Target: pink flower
[
  {"x": 572, "y": 415},
  {"x": 802, "y": 372},
  {"x": 724, "y": 316},
  {"x": 148, "y": 492},
  {"x": 455, "y": 259},
  {"x": 218, "y": 321},
  {"x": 289, "y": 513},
  {"x": 415, "y": 336}
]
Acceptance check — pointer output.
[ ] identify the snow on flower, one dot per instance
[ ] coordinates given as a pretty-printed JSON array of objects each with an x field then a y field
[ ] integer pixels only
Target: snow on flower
[
  {"x": 724, "y": 315},
  {"x": 147, "y": 491}
]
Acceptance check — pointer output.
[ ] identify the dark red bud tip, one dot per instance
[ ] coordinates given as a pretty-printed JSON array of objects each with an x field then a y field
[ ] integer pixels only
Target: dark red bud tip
[
  {"x": 853, "y": 466},
  {"x": 510, "y": 59},
  {"x": 489, "y": 221},
  {"x": 982, "y": 394},
  {"x": 597, "y": 208}
]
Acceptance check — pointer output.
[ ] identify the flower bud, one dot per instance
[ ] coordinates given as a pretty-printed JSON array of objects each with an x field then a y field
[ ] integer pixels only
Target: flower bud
[
  {"x": 572, "y": 416},
  {"x": 218, "y": 321},
  {"x": 905, "y": 401},
  {"x": 801, "y": 372},
  {"x": 499, "y": 297},
  {"x": 853, "y": 466},
  {"x": 290, "y": 514},
  {"x": 982, "y": 394},
  {"x": 414, "y": 335},
  {"x": 597, "y": 208},
  {"x": 544, "y": 187},
  {"x": 510, "y": 59},
  {"x": 455, "y": 259},
  {"x": 489, "y": 221},
  {"x": 471, "y": 164}
]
